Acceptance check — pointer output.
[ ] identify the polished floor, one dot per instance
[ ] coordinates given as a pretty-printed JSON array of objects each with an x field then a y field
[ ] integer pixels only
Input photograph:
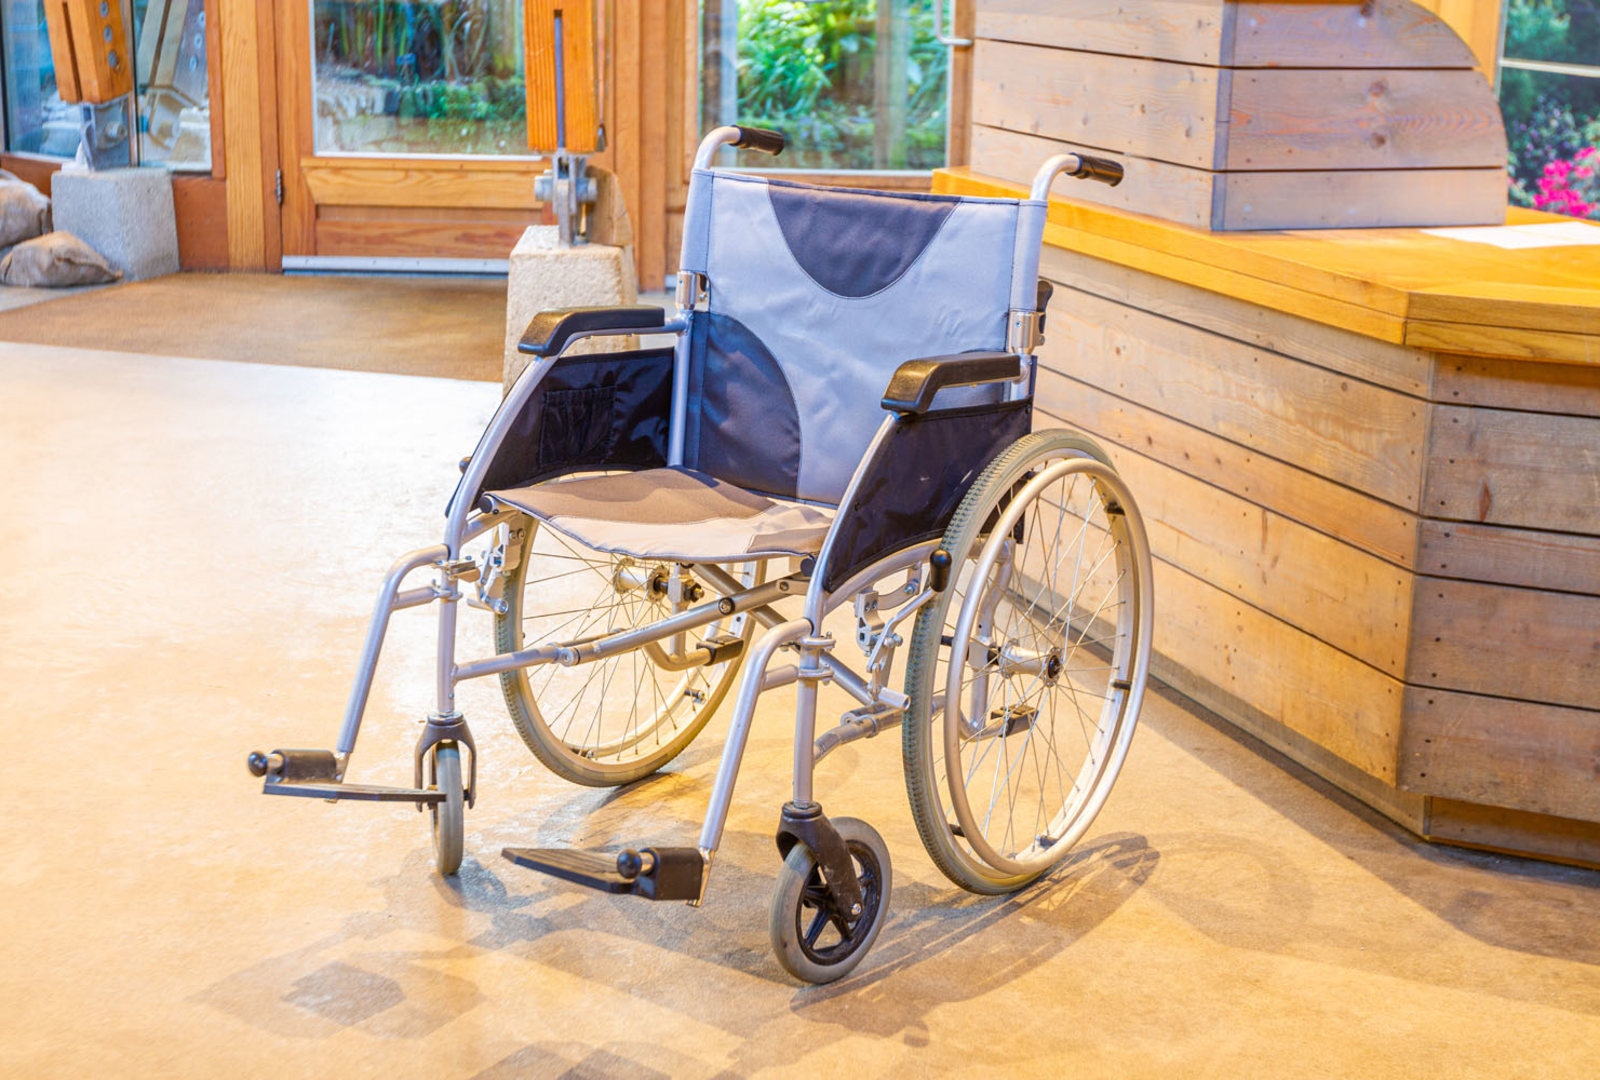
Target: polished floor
[
  {"x": 451, "y": 327},
  {"x": 191, "y": 548}
]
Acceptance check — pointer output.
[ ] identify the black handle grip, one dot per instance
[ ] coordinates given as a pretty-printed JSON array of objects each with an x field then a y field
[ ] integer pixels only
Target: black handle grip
[
  {"x": 768, "y": 142},
  {"x": 1102, "y": 169}
]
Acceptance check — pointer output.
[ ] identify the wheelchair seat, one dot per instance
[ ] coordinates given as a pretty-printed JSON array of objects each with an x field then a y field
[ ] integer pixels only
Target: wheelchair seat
[{"x": 672, "y": 513}]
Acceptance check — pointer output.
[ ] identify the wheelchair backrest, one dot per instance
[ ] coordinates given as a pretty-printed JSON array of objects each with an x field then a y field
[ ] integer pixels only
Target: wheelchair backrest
[{"x": 816, "y": 295}]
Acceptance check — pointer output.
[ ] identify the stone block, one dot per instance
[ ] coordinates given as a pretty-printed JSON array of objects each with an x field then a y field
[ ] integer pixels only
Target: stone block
[
  {"x": 124, "y": 214},
  {"x": 545, "y": 275}
]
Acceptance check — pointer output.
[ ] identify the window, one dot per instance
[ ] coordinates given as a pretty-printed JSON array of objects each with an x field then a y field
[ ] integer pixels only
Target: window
[
  {"x": 855, "y": 84},
  {"x": 174, "y": 91},
  {"x": 396, "y": 77},
  {"x": 173, "y": 98},
  {"x": 36, "y": 120},
  {"x": 1550, "y": 97}
]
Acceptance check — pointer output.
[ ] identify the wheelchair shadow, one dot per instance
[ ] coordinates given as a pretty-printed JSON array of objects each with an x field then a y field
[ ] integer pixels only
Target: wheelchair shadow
[{"x": 384, "y": 973}]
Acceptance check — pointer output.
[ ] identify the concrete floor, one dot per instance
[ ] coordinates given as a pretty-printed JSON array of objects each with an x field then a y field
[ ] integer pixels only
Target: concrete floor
[{"x": 191, "y": 548}]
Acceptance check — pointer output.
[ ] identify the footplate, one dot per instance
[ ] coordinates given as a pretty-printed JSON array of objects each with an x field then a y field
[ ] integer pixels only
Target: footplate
[
  {"x": 334, "y": 792},
  {"x": 314, "y": 774},
  {"x": 654, "y": 873}
]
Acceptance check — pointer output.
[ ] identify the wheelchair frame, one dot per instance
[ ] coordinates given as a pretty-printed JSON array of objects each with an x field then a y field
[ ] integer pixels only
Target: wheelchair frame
[{"x": 320, "y": 774}]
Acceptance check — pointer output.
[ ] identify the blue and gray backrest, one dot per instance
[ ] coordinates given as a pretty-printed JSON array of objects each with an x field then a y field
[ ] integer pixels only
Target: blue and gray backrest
[{"x": 816, "y": 296}]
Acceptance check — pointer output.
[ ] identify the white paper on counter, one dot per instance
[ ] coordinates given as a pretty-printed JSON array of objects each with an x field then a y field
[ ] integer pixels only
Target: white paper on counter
[{"x": 1515, "y": 237}]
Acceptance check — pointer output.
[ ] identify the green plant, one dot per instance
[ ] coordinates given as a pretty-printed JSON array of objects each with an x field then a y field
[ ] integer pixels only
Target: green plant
[{"x": 809, "y": 69}]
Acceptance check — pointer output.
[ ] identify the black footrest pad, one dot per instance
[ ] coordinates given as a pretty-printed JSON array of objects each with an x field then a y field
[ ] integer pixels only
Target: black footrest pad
[
  {"x": 363, "y": 792},
  {"x": 676, "y": 873},
  {"x": 595, "y": 869}
]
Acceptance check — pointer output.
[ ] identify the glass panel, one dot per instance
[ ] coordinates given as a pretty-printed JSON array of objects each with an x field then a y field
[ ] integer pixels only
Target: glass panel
[
  {"x": 430, "y": 77},
  {"x": 174, "y": 93},
  {"x": 855, "y": 84},
  {"x": 1553, "y": 117},
  {"x": 37, "y": 122}
]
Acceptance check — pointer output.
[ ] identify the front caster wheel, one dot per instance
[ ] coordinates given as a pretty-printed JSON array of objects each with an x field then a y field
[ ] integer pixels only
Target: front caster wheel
[
  {"x": 814, "y": 941},
  {"x": 449, "y": 816}
]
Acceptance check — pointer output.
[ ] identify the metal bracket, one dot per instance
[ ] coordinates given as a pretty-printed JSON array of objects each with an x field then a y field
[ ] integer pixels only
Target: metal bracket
[
  {"x": 490, "y": 576},
  {"x": 866, "y": 722},
  {"x": 869, "y": 624},
  {"x": 1024, "y": 331},
  {"x": 453, "y": 728},
  {"x": 694, "y": 291},
  {"x": 806, "y": 824}
]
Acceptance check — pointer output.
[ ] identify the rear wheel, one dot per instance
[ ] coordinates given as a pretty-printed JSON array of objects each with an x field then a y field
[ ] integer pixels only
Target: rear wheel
[
  {"x": 613, "y": 721},
  {"x": 1026, "y": 675}
]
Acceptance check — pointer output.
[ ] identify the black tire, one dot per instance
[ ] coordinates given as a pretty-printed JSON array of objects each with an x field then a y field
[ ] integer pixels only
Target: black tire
[
  {"x": 813, "y": 942},
  {"x": 1029, "y": 667}
]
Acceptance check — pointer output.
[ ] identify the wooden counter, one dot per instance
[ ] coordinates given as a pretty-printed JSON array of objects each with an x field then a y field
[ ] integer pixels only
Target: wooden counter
[{"x": 1370, "y": 465}]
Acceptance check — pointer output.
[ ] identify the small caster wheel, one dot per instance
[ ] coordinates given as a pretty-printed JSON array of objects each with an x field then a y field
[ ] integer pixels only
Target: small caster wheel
[
  {"x": 449, "y": 815},
  {"x": 815, "y": 942}
]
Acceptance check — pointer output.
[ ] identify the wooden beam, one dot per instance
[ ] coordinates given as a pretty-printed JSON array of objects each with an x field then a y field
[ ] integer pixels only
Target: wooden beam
[{"x": 242, "y": 135}]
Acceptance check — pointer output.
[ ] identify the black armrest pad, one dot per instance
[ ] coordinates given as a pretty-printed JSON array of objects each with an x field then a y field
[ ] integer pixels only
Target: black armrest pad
[
  {"x": 916, "y": 382},
  {"x": 550, "y": 331}
]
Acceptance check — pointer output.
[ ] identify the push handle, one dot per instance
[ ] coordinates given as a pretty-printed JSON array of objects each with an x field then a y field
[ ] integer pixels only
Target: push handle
[
  {"x": 1104, "y": 170},
  {"x": 1081, "y": 166},
  {"x": 768, "y": 142}
]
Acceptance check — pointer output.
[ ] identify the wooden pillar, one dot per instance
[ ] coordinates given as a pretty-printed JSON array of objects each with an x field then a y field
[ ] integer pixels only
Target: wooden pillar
[{"x": 242, "y": 133}]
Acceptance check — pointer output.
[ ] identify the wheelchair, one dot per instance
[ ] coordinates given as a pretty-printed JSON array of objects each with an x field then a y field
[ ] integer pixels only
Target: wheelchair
[{"x": 843, "y": 422}]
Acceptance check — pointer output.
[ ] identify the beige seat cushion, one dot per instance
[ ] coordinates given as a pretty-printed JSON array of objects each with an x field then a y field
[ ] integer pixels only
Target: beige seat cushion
[{"x": 676, "y": 514}]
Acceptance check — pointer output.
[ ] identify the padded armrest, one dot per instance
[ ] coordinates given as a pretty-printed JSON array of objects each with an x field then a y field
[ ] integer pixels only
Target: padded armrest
[
  {"x": 916, "y": 382},
  {"x": 550, "y": 331}
]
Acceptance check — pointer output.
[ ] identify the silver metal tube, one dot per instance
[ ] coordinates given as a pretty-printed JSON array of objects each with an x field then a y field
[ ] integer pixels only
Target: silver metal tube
[
  {"x": 445, "y": 669},
  {"x": 893, "y": 564},
  {"x": 680, "y": 392},
  {"x": 1048, "y": 172},
  {"x": 411, "y": 598},
  {"x": 715, "y": 140},
  {"x": 863, "y": 727},
  {"x": 751, "y": 684},
  {"x": 506, "y": 662},
  {"x": 938, "y": 28},
  {"x": 805, "y": 734},
  {"x": 727, "y": 584},
  {"x": 703, "y": 615},
  {"x": 848, "y": 680},
  {"x": 779, "y": 676},
  {"x": 488, "y": 443},
  {"x": 376, "y": 629}
]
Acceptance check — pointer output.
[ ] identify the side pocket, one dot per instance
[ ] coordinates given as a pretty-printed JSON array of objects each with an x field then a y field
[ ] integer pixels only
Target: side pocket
[{"x": 578, "y": 425}]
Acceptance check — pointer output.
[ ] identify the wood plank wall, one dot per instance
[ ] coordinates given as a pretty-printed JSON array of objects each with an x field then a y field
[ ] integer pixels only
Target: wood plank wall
[
  {"x": 1382, "y": 560},
  {"x": 1245, "y": 114}
]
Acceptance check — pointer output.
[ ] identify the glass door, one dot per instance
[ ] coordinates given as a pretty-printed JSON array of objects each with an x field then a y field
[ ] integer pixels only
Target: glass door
[{"x": 403, "y": 132}]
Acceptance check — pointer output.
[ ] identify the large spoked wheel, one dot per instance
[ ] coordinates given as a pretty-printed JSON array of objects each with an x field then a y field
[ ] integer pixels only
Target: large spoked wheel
[
  {"x": 814, "y": 941},
  {"x": 449, "y": 816},
  {"x": 613, "y": 721},
  {"x": 1026, "y": 674}
]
